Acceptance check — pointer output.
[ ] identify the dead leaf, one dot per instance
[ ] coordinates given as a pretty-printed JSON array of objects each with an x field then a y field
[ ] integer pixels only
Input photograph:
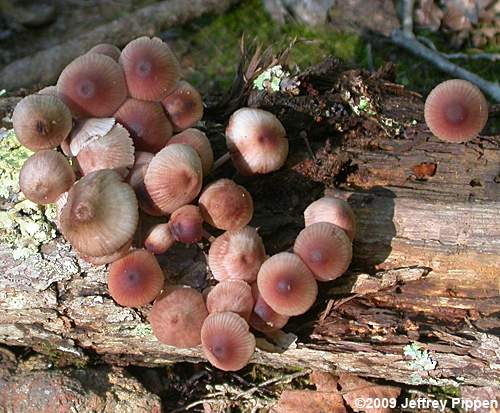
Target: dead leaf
[
  {"x": 428, "y": 15},
  {"x": 354, "y": 389},
  {"x": 324, "y": 381},
  {"x": 309, "y": 401},
  {"x": 424, "y": 170}
]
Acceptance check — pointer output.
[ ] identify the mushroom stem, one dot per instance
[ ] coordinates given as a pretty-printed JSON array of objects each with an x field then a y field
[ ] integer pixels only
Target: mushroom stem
[
  {"x": 209, "y": 237},
  {"x": 221, "y": 161}
]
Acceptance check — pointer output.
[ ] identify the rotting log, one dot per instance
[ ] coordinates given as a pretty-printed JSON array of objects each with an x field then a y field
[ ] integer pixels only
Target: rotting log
[
  {"x": 426, "y": 269},
  {"x": 44, "y": 67}
]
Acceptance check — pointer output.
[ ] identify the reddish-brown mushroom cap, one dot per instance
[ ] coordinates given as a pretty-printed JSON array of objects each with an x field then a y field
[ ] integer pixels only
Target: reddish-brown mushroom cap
[
  {"x": 333, "y": 210},
  {"x": 115, "y": 150},
  {"x": 136, "y": 279},
  {"x": 48, "y": 90},
  {"x": 174, "y": 177},
  {"x": 237, "y": 254},
  {"x": 100, "y": 215},
  {"x": 107, "y": 49},
  {"x": 226, "y": 341},
  {"x": 45, "y": 176},
  {"x": 231, "y": 295},
  {"x": 150, "y": 67},
  {"x": 159, "y": 239},
  {"x": 177, "y": 317},
  {"x": 184, "y": 106},
  {"x": 286, "y": 284},
  {"x": 325, "y": 249},
  {"x": 149, "y": 127},
  {"x": 257, "y": 141},
  {"x": 226, "y": 205},
  {"x": 186, "y": 224},
  {"x": 92, "y": 85},
  {"x": 200, "y": 143},
  {"x": 456, "y": 111},
  {"x": 41, "y": 122},
  {"x": 263, "y": 317},
  {"x": 86, "y": 130}
]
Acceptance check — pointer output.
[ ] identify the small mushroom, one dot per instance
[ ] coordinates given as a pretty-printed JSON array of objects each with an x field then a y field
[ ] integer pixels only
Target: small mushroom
[
  {"x": 86, "y": 130},
  {"x": 92, "y": 85},
  {"x": 186, "y": 224},
  {"x": 263, "y": 317},
  {"x": 231, "y": 295},
  {"x": 226, "y": 205},
  {"x": 333, "y": 210},
  {"x": 226, "y": 341},
  {"x": 149, "y": 127},
  {"x": 41, "y": 122},
  {"x": 177, "y": 317},
  {"x": 184, "y": 106},
  {"x": 115, "y": 150},
  {"x": 150, "y": 67},
  {"x": 200, "y": 143},
  {"x": 159, "y": 239},
  {"x": 48, "y": 90},
  {"x": 456, "y": 111},
  {"x": 237, "y": 254},
  {"x": 325, "y": 249},
  {"x": 45, "y": 176},
  {"x": 174, "y": 177},
  {"x": 107, "y": 49},
  {"x": 136, "y": 279},
  {"x": 286, "y": 284},
  {"x": 100, "y": 215},
  {"x": 257, "y": 141},
  {"x": 107, "y": 259}
]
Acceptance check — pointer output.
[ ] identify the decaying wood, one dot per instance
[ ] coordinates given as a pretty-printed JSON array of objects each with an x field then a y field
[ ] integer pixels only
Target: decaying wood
[
  {"x": 426, "y": 257},
  {"x": 44, "y": 67}
]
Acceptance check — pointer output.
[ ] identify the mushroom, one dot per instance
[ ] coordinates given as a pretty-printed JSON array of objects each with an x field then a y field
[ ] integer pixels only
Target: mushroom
[
  {"x": 159, "y": 239},
  {"x": 186, "y": 224},
  {"x": 231, "y": 295},
  {"x": 333, "y": 210},
  {"x": 41, "y": 122},
  {"x": 107, "y": 49},
  {"x": 48, "y": 90},
  {"x": 100, "y": 215},
  {"x": 86, "y": 130},
  {"x": 237, "y": 254},
  {"x": 136, "y": 279},
  {"x": 177, "y": 317},
  {"x": 107, "y": 259},
  {"x": 174, "y": 177},
  {"x": 184, "y": 106},
  {"x": 263, "y": 317},
  {"x": 226, "y": 341},
  {"x": 200, "y": 143},
  {"x": 150, "y": 67},
  {"x": 136, "y": 180},
  {"x": 149, "y": 127},
  {"x": 226, "y": 205},
  {"x": 92, "y": 85},
  {"x": 114, "y": 150},
  {"x": 257, "y": 141},
  {"x": 456, "y": 111},
  {"x": 286, "y": 284},
  {"x": 45, "y": 176},
  {"x": 325, "y": 249}
]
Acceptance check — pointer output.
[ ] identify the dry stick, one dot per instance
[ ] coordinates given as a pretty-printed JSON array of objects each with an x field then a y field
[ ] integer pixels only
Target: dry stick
[
  {"x": 221, "y": 161},
  {"x": 407, "y": 6},
  {"x": 44, "y": 66},
  {"x": 473, "y": 56},
  {"x": 414, "y": 46}
]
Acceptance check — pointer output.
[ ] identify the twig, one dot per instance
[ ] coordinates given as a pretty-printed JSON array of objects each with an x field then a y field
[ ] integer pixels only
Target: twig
[
  {"x": 407, "y": 11},
  {"x": 411, "y": 44},
  {"x": 473, "y": 56},
  {"x": 221, "y": 161}
]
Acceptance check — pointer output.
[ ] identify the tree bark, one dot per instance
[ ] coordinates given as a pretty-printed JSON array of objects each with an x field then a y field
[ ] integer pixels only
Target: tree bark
[{"x": 425, "y": 274}]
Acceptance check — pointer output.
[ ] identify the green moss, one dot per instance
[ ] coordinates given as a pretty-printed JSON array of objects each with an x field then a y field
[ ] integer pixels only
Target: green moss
[{"x": 23, "y": 225}]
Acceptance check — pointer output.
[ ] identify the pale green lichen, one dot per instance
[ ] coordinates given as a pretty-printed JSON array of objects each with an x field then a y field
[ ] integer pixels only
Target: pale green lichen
[
  {"x": 421, "y": 359},
  {"x": 23, "y": 224},
  {"x": 142, "y": 330},
  {"x": 270, "y": 79}
]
